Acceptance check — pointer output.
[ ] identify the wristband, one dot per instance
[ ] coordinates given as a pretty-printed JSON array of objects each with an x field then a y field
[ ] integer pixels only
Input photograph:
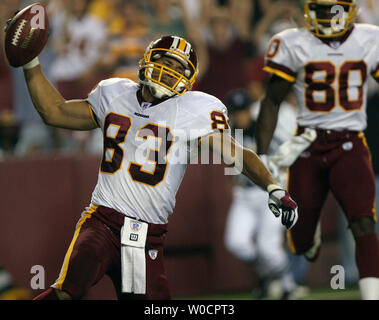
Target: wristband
[
  {"x": 31, "y": 64},
  {"x": 273, "y": 187}
]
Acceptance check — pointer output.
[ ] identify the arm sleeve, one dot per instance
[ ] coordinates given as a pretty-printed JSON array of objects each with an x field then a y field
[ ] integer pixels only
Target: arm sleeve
[
  {"x": 280, "y": 60},
  {"x": 102, "y": 96},
  {"x": 200, "y": 116},
  {"x": 375, "y": 66},
  {"x": 96, "y": 107},
  {"x": 207, "y": 119}
]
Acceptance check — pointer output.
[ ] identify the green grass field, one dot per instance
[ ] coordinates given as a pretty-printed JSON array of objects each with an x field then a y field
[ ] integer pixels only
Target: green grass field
[{"x": 314, "y": 294}]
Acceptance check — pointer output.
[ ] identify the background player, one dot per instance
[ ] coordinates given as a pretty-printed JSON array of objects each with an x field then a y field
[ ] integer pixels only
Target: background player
[
  {"x": 327, "y": 66},
  {"x": 122, "y": 232},
  {"x": 258, "y": 241}
]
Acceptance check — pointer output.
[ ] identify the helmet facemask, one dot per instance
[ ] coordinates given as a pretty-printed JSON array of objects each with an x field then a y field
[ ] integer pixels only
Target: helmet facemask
[
  {"x": 329, "y": 18},
  {"x": 163, "y": 81}
]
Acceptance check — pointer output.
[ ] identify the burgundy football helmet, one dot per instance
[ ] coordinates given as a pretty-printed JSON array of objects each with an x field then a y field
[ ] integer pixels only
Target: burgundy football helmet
[
  {"x": 330, "y": 18},
  {"x": 151, "y": 72}
]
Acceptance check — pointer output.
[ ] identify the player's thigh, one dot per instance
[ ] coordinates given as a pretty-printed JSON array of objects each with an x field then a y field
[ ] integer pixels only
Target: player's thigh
[
  {"x": 270, "y": 242},
  {"x": 88, "y": 257},
  {"x": 308, "y": 185},
  {"x": 352, "y": 181},
  {"x": 241, "y": 221},
  {"x": 157, "y": 282},
  {"x": 271, "y": 233}
]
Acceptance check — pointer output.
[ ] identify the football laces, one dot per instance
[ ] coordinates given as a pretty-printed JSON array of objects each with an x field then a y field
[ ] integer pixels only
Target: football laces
[{"x": 17, "y": 34}]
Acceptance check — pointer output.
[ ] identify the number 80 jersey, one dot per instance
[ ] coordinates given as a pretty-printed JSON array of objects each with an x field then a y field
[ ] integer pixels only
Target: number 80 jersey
[
  {"x": 330, "y": 77},
  {"x": 146, "y": 148}
]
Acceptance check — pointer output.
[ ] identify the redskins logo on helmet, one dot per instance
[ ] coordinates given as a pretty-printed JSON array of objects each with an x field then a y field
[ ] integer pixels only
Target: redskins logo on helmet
[
  {"x": 151, "y": 73},
  {"x": 330, "y": 18}
]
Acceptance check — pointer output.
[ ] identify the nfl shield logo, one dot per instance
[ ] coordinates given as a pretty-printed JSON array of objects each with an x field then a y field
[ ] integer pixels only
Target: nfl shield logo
[
  {"x": 335, "y": 44},
  {"x": 135, "y": 225},
  {"x": 145, "y": 105},
  {"x": 153, "y": 254}
]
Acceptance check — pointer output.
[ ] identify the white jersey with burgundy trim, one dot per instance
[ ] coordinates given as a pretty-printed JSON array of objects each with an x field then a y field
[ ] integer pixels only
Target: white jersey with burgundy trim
[
  {"x": 330, "y": 78},
  {"x": 146, "y": 147}
]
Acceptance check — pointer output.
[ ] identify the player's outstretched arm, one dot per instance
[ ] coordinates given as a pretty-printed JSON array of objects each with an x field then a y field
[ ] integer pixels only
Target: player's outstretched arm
[
  {"x": 279, "y": 202},
  {"x": 246, "y": 160},
  {"x": 277, "y": 90},
  {"x": 52, "y": 107}
]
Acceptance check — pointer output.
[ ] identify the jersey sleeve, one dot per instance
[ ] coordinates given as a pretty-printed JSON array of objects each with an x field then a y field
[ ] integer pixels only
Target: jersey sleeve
[
  {"x": 201, "y": 115},
  {"x": 101, "y": 97},
  {"x": 95, "y": 104},
  {"x": 280, "y": 58},
  {"x": 375, "y": 65}
]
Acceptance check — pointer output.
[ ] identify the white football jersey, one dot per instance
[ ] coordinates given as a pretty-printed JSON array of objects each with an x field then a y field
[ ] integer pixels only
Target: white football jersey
[
  {"x": 330, "y": 79},
  {"x": 146, "y": 147}
]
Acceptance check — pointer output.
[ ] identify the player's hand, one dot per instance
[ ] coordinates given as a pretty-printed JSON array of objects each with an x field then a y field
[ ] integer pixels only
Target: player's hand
[
  {"x": 23, "y": 41},
  {"x": 7, "y": 25},
  {"x": 270, "y": 165},
  {"x": 9, "y": 21},
  {"x": 281, "y": 204}
]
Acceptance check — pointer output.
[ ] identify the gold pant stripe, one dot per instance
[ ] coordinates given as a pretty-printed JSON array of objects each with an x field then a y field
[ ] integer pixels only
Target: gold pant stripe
[
  {"x": 364, "y": 140},
  {"x": 62, "y": 276},
  {"x": 291, "y": 245}
]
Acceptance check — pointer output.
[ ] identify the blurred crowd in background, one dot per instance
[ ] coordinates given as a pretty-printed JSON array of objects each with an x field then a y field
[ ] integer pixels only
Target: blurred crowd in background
[{"x": 91, "y": 40}]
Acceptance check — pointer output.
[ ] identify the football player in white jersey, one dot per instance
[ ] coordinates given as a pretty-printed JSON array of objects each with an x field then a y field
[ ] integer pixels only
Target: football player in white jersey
[
  {"x": 258, "y": 241},
  {"x": 327, "y": 65},
  {"x": 146, "y": 128}
]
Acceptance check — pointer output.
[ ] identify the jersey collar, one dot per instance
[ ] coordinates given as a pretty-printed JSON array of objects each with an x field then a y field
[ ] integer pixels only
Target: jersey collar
[
  {"x": 143, "y": 103},
  {"x": 331, "y": 42}
]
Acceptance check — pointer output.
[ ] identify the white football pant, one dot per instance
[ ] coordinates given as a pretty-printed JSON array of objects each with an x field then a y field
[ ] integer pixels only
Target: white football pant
[{"x": 253, "y": 234}]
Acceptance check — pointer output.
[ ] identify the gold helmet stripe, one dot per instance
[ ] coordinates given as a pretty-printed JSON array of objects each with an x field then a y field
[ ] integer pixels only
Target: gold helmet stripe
[{"x": 182, "y": 45}]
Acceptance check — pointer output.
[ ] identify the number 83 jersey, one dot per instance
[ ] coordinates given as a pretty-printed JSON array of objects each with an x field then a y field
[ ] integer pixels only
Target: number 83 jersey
[
  {"x": 330, "y": 77},
  {"x": 146, "y": 148}
]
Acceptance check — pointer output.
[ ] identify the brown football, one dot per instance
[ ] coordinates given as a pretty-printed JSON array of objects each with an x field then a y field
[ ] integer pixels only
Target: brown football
[{"x": 26, "y": 35}]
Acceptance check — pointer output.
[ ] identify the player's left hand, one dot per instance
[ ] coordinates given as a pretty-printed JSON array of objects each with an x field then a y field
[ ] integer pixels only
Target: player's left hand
[
  {"x": 281, "y": 203},
  {"x": 23, "y": 40},
  {"x": 8, "y": 22},
  {"x": 7, "y": 25}
]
